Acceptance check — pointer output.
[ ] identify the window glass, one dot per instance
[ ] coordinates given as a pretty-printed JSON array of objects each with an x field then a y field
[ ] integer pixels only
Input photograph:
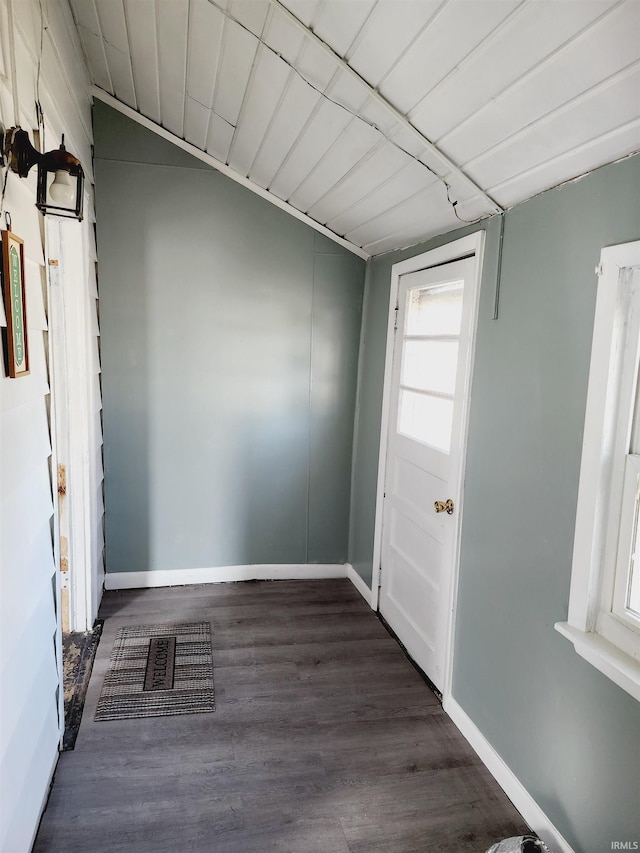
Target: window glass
[
  {"x": 425, "y": 418},
  {"x": 430, "y": 365},
  {"x": 435, "y": 310}
]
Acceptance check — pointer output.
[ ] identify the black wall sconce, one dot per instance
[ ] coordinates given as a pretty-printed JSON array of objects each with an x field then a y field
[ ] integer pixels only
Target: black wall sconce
[{"x": 60, "y": 195}]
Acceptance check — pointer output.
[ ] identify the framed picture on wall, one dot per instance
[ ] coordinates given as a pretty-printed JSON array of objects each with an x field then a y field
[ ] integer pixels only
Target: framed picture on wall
[{"x": 15, "y": 303}]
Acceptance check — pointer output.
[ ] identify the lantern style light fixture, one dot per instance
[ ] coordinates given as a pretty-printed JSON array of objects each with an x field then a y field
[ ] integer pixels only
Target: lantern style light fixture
[{"x": 60, "y": 175}]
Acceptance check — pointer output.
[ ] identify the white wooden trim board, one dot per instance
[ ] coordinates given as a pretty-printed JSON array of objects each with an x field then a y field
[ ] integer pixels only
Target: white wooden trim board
[
  {"x": 359, "y": 584},
  {"x": 508, "y": 781},
  {"x": 225, "y": 170},
  {"x": 225, "y": 574}
]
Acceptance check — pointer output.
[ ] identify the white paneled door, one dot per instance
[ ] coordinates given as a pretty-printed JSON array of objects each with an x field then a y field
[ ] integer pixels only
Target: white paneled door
[{"x": 426, "y": 435}]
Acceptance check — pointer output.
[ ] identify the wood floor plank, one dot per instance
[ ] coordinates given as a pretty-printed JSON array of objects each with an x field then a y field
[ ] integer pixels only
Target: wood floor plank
[{"x": 325, "y": 739}]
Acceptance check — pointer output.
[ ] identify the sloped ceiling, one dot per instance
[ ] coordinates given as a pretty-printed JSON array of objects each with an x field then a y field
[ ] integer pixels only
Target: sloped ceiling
[{"x": 388, "y": 121}]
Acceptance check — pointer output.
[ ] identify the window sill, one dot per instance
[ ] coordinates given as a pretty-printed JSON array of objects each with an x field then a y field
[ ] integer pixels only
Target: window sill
[{"x": 616, "y": 665}]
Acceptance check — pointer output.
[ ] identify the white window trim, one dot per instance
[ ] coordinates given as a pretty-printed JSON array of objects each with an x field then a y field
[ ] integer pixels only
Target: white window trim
[{"x": 608, "y": 423}]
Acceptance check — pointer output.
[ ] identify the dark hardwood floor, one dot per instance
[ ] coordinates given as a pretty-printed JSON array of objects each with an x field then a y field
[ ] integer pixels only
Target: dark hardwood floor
[{"x": 325, "y": 740}]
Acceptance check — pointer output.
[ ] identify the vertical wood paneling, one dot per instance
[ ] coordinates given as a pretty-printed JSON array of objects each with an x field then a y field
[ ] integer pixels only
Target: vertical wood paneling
[
  {"x": 206, "y": 25},
  {"x": 401, "y": 185},
  {"x": 297, "y": 106},
  {"x": 385, "y": 162},
  {"x": 141, "y": 26},
  {"x": 238, "y": 54},
  {"x": 451, "y": 36},
  {"x": 534, "y": 34},
  {"x": 219, "y": 137},
  {"x": 392, "y": 29},
  {"x": 251, "y": 13},
  {"x": 284, "y": 36},
  {"x": 30, "y": 732},
  {"x": 579, "y": 67},
  {"x": 173, "y": 20},
  {"x": 305, "y": 10},
  {"x": 339, "y": 24},
  {"x": 121, "y": 75},
  {"x": 196, "y": 123},
  {"x": 357, "y": 140},
  {"x": 418, "y": 207},
  {"x": 268, "y": 86},
  {"x": 577, "y": 161},
  {"x": 587, "y": 118},
  {"x": 94, "y": 49},
  {"x": 322, "y": 131}
]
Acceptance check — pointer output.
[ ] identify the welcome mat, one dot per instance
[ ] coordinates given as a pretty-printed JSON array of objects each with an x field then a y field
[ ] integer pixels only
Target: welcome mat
[{"x": 158, "y": 671}]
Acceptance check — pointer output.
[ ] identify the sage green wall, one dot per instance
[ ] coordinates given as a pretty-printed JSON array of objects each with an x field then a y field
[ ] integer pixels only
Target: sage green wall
[
  {"x": 568, "y": 733},
  {"x": 230, "y": 335}
]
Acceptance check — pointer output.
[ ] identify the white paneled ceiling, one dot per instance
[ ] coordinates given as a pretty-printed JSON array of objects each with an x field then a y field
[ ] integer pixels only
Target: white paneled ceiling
[{"x": 387, "y": 121}]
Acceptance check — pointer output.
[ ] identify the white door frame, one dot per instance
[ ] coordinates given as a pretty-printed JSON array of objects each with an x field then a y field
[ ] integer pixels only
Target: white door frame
[
  {"x": 70, "y": 334},
  {"x": 473, "y": 244}
]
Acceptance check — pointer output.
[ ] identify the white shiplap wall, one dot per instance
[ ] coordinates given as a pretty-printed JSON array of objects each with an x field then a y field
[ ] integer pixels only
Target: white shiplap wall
[{"x": 30, "y": 722}]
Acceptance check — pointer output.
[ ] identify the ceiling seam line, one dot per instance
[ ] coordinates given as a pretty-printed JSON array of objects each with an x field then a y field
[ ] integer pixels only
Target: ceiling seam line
[
  {"x": 478, "y": 191},
  {"x": 187, "y": 56},
  {"x": 293, "y": 72},
  {"x": 323, "y": 157},
  {"x": 75, "y": 101},
  {"x": 136, "y": 99},
  {"x": 216, "y": 80},
  {"x": 342, "y": 66},
  {"x": 570, "y": 152},
  {"x": 367, "y": 195},
  {"x": 396, "y": 206},
  {"x": 388, "y": 136},
  {"x": 103, "y": 41},
  {"x": 276, "y": 112},
  {"x": 357, "y": 39},
  {"x": 321, "y": 101},
  {"x": 245, "y": 98},
  {"x": 75, "y": 38},
  {"x": 350, "y": 172},
  {"x": 599, "y": 87},
  {"x": 157, "y": 33},
  {"x": 257, "y": 57},
  {"x": 530, "y": 71},
  {"x": 411, "y": 45},
  {"x": 274, "y": 115},
  {"x": 323, "y": 94},
  {"x": 481, "y": 46}
]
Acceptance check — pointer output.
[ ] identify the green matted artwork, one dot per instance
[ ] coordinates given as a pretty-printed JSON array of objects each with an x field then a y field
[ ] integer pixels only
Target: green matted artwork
[{"x": 17, "y": 348}]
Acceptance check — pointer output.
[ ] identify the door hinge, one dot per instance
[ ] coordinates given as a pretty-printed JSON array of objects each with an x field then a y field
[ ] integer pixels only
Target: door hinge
[{"x": 395, "y": 322}]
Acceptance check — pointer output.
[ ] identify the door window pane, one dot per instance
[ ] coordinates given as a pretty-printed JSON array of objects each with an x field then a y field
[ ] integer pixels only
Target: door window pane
[
  {"x": 425, "y": 418},
  {"x": 435, "y": 310},
  {"x": 430, "y": 365}
]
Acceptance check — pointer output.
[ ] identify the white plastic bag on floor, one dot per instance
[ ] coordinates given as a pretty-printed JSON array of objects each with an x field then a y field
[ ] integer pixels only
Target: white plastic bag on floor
[{"x": 519, "y": 844}]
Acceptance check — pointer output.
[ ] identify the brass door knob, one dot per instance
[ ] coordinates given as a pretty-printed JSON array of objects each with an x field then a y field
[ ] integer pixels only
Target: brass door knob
[{"x": 444, "y": 506}]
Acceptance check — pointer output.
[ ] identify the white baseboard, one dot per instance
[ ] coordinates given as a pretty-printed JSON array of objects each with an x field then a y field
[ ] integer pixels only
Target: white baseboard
[
  {"x": 223, "y": 574},
  {"x": 359, "y": 584},
  {"x": 510, "y": 784}
]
